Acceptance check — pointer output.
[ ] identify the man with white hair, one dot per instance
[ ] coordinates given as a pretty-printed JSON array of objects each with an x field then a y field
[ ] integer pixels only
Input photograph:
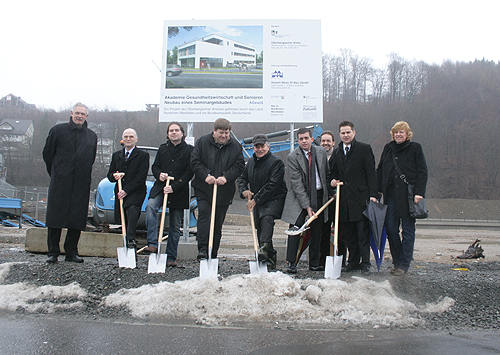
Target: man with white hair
[
  {"x": 69, "y": 154},
  {"x": 134, "y": 163}
]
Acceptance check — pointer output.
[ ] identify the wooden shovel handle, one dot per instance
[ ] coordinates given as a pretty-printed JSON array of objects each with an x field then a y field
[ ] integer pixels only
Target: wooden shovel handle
[
  {"x": 212, "y": 219},
  {"x": 309, "y": 221},
  {"x": 254, "y": 233},
  {"x": 164, "y": 208},
  {"x": 122, "y": 213},
  {"x": 337, "y": 207}
]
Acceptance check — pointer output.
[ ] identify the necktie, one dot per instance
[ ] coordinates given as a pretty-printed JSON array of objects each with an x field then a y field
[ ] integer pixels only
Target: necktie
[
  {"x": 346, "y": 150},
  {"x": 126, "y": 155},
  {"x": 309, "y": 158}
]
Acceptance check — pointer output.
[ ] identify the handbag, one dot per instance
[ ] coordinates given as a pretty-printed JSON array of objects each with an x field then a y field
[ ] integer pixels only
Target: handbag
[{"x": 417, "y": 210}]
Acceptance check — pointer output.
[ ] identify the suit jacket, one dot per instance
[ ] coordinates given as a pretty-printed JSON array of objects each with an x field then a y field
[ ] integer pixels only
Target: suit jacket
[
  {"x": 357, "y": 172},
  {"x": 298, "y": 195},
  {"x": 134, "y": 181}
]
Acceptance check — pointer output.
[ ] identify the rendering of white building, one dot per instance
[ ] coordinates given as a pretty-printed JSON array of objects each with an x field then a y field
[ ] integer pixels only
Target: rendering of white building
[{"x": 215, "y": 51}]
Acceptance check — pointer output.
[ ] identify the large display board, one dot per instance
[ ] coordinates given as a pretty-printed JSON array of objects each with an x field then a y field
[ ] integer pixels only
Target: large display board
[{"x": 242, "y": 70}]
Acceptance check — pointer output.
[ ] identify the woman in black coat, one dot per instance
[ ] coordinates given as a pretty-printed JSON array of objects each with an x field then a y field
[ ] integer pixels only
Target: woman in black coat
[{"x": 411, "y": 161}]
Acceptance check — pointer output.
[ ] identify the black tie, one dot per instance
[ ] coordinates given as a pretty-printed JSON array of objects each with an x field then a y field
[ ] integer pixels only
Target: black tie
[
  {"x": 126, "y": 155},
  {"x": 346, "y": 150}
]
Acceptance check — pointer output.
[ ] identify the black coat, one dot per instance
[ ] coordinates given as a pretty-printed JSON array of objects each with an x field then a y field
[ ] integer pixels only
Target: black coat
[
  {"x": 175, "y": 161},
  {"x": 134, "y": 181},
  {"x": 411, "y": 160},
  {"x": 210, "y": 158},
  {"x": 357, "y": 172},
  {"x": 266, "y": 179},
  {"x": 69, "y": 154}
]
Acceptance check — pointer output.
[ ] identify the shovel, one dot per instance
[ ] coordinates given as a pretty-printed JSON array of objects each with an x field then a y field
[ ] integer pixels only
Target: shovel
[
  {"x": 126, "y": 256},
  {"x": 209, "y": 267},
  {"x": 333, "y": 264},
  {"x": 158, "y": 262},
  {"x": 296, "y": 231},
  {"x": 256, "y": 266}
]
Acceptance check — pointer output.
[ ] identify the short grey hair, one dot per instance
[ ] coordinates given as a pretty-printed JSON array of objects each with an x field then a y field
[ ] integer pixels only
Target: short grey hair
[{"x": 81, "y": 105}]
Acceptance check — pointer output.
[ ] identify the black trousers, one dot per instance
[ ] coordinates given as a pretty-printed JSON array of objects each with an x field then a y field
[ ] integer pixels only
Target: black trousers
[
  {"x": 203, "y": 225},
  {"x": 70, "y": 244},
  {"x": 265, "y": 228},
  {"x": 316, "y": 230},
  {"x": 357, "y": 237},
  {"x": 132, "y": 214}
]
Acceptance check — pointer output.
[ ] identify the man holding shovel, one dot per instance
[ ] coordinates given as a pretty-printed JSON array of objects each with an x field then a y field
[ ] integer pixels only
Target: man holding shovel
[
  {"x": 262, "y": 183},
  {"x": 130, "y": 165},
  {"x": 308, "y": 191},
  {"x": 172, "y": 159},
  {"x": 216, "y": 159}
]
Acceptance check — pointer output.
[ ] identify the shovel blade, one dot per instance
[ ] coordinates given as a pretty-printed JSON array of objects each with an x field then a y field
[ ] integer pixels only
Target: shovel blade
[
  {"x": 157, "y": 263},
  {"x": 333, "y": 267},
  {"x": 296, "y": 231},
  {"x": 209, "y": 268},
  {"x": 257, "y": 267},
  {"x": 126, "y": 257}
]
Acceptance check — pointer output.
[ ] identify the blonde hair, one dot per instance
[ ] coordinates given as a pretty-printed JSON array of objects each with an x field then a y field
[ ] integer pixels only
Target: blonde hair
[{"x": 402, "y": 125}]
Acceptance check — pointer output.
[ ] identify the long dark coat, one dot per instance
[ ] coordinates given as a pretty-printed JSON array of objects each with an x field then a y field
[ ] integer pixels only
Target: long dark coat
[
  {"x": 411, "y": 160},
  {"x": 69, "y": 154},
  {"x": 210, "y": 158},
  {"x": 265, "y": 178},
  {"x": 175, "y": 161},
  {"x": 357, "y": 172},
  {"x": 134, "y": 181}
]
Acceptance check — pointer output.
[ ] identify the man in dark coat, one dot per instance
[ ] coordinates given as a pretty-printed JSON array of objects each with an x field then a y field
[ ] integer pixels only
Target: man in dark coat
[
  {"x": 354, "y": 165},
  {"x": 69, "y": 154},
  {"x": 262, "y": 182},
  {"x": 216, "y": 159},
  {"x": 172, "y": 159},
  {"x": 134, "y": 163},
  {"x": 308, "y": 191}
]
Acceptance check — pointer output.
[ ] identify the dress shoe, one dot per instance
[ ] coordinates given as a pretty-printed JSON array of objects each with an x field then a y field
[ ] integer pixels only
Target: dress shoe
[
  {"x": 317, "y": 268},
  {"x": 202, "y": 254},
  {"x": 131, "y": 244},
  {"x": 171, "y": 263},
  {"x": 399, "y": 272},
  {"x": 365, "y": 269},
  {"x": 149, "y": 249},
  {"x": 350, "y": 267},
  {"x": 52, "y": 259},
  {"x": 74, "y": 259},
  {"x": 292, "y": 268}
]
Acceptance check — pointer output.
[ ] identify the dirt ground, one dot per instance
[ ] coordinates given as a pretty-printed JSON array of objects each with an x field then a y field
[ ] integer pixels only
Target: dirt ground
[{"x": 431, "y": 245}]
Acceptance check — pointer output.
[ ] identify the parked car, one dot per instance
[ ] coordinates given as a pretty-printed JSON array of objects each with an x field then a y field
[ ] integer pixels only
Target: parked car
[
  {"x": 258, "y": 66},
  {"x": 173, "y": 70}
]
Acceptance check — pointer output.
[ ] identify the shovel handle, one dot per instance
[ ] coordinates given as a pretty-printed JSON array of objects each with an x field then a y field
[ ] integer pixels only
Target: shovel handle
[
  {"x": 336, "y": 227},
  {"x": 122, "y": 213},
  {"x": 212, "y": 221},
  {"x": 318, "y": 212},
  {"x": 163, "y": 211},
  {"x": 254, "y": 234}
]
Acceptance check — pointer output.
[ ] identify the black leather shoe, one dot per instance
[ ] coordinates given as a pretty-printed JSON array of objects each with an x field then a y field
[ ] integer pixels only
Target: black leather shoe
[
  {"x": 365, "y": 269},
  {"x": 131, "y": 244},
  {"x": 202, "y": 254},
  {"x": 52, "y": 259},
  {"x": 350, "y": 267},
  {"x": 292, "y": 268},
  {"x": 74, "y": 259},
  {"x": 317, "y": 268}
]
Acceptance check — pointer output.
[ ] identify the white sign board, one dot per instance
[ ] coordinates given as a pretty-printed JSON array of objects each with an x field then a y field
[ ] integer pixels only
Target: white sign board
[{"x": 242, "y": 70}]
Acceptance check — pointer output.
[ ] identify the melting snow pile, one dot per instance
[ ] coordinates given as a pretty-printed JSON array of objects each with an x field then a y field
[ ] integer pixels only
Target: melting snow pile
[
  {"x": 37, "y": 298},
  {"x": 275, "y": 297}
]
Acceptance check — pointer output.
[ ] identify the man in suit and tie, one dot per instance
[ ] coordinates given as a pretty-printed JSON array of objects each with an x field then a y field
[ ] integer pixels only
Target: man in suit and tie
[
  {"x": 354, "y": 165},
  {"x": 135, "y": 164},
  {"x": 308, "y": 190}
]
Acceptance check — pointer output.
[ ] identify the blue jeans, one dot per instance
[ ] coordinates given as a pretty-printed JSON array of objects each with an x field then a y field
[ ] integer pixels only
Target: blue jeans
[
  {"x": 401, "y": 245},
  {"x": 174, "y": 227}
]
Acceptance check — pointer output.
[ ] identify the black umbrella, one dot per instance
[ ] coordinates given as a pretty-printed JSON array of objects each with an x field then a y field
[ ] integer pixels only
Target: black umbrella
[{"x": 375, "y": 212}]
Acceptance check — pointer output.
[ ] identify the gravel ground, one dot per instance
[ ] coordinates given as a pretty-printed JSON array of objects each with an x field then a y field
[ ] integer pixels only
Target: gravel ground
[{"x": 474, "y": 285}]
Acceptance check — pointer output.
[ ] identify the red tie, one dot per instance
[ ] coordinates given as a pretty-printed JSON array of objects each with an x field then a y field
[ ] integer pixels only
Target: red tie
[{"x": 309, "y": 157}]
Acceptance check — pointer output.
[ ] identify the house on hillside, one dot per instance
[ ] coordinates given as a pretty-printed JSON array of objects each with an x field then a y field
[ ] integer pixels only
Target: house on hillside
[
  {"x": 16, "y": 137},
  {"x": 15, "y": 101}
]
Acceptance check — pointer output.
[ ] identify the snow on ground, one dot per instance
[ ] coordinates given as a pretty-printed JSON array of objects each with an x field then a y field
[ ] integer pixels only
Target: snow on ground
[{"x": 274, "y": 297}]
